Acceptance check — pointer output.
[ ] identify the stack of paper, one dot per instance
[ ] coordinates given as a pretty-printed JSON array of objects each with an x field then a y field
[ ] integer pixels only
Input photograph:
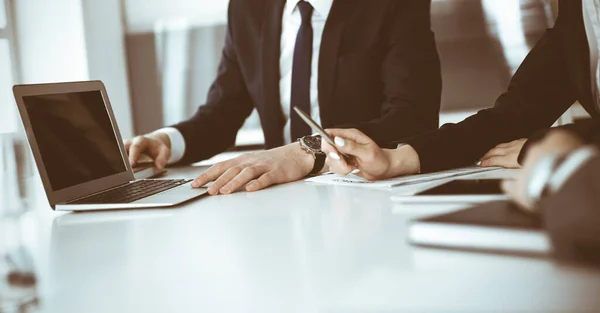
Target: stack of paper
[{"x": 354, "y": 180}]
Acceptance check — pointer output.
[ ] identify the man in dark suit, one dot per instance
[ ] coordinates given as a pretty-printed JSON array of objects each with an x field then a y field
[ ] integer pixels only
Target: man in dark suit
[
  {"x": 370, "y": 65},
  {"x": 560, "y": 69},
  {"x": 561, "y": 182}
]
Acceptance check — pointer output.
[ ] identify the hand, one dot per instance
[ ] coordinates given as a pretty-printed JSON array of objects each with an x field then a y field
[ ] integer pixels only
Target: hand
[
  {"x": 281, "y": 165},
  {"x": 556, "y": 143},
  {"x": 505, "y": 155},
  {"x": 157, "y": 145},
  {"x": 368, "y": 158}
]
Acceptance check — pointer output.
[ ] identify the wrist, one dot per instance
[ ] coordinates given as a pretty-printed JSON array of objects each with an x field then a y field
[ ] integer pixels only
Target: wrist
[
  {"x": 306, "y": 160},
  {"x": 402, "y": 161}
]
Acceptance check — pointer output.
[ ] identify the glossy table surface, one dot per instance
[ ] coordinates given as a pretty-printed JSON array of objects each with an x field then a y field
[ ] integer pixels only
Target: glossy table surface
[{"x": 299, "y": 247}]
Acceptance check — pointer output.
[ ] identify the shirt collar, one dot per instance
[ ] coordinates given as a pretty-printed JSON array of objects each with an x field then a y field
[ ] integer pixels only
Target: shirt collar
[{"x": 322, "y": 7}]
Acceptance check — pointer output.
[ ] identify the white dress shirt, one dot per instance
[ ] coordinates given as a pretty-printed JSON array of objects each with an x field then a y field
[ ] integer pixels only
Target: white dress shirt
[
  {"x": 291, "y": 21},
  {"x": 591, "y": 18}
]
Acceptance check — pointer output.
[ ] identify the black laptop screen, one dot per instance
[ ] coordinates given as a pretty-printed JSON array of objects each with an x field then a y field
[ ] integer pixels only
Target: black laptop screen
[{"x": 75, "y": 137}]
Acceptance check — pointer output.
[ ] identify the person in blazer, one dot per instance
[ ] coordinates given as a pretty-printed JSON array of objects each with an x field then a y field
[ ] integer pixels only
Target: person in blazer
[
  {"x": 370, "y": 65},
  {"x": 560, "y": 69},
  {"x": 568, "y": 200}
]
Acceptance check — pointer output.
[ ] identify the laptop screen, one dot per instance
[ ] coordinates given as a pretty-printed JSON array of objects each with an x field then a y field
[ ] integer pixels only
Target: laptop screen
[{"x": 75, "y": 137}]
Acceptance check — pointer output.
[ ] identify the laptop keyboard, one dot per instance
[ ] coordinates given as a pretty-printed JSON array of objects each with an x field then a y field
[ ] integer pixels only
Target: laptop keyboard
[{"x": 133, "y": 191}]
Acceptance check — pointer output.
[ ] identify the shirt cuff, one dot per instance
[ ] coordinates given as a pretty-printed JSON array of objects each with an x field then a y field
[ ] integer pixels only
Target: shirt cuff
[
  {"x": 571, "y": 164},
  {"x": 177, "y": 143}
]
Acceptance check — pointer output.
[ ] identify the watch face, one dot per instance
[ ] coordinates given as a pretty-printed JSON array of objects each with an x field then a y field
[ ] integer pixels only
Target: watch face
[{"x": 312, "y": 142}]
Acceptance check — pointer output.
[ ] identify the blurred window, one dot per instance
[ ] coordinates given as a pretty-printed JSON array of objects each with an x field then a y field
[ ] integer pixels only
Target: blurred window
[
  {"x": 2, "y": 15},
  {"x": 173, "y": 51},
  {"x": 8, "y": 118}
]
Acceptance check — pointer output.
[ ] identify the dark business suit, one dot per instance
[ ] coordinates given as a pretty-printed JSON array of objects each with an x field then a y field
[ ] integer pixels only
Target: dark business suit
[
  {"x": 379, "y": 72},
  {"x": 554, "y": 75},
  {"x": 572, "y": 215}
]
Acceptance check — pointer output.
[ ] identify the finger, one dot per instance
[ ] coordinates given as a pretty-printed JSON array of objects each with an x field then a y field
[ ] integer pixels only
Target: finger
[
  {"x": 350, "y": 148},
  {"x": 333, "y": 153},
  {"x": 365, "y": 175},
  {"x": 266, "y": 180},
  {"x": 511, "y": 188},
  {"x": 496, "y": 151},
  {"x": 162, "y": 158},
  {"x": 352, "y": 134},
  {"x": 501, "y": 161},
  {"x": 224, "y": 179},
  {"x": 137, "y": 147},
  {"x": 508, "y": 187},
  {"x": 158, "y": 152},
  {"x": 329, "y": 150},
  {"x": 243, "y": 178},
  {"x": 211, "y": 174},
  {"x": 127, "y": 144},
  {"x": 508, "y": 144},
  {"x": 504, "y": 145},
  {"x": 338, "y": 165}
]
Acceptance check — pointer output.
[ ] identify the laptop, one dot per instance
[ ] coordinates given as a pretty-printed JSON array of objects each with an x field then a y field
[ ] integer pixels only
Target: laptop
[{"x": 80, "y": 154}]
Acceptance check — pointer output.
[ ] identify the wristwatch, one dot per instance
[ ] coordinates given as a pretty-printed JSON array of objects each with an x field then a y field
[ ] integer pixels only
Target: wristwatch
[{"x": 312, "y": 145}]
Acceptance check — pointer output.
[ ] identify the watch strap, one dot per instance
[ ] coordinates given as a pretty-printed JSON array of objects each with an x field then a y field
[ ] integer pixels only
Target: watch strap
[{"x": 319, "y": 163}]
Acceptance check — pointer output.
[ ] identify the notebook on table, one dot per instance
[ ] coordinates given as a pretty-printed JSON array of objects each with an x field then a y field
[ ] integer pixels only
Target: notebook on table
[{"x": 494, "y": 227}]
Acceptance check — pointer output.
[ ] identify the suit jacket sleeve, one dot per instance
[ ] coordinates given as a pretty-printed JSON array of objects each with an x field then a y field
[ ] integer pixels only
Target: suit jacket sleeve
[
  {"x": 214, "y": 127},
  {"x": 411, "y": 77},
  {"x": 537, "y": 95},
  {"x": 572, "y": 215}
]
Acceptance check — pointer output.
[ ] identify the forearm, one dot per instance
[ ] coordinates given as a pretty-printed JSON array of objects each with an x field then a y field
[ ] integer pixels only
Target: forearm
[
  {"x": 538, "y": 94},
  {"x": 208, "y": 133}
]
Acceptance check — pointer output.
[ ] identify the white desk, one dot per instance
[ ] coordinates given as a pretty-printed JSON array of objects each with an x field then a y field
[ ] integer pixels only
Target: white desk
[{"x": 292, "y": 248}]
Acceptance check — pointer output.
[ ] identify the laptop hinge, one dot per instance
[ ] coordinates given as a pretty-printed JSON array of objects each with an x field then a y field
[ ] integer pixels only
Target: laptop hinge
[{"x": 95, "y": 193}]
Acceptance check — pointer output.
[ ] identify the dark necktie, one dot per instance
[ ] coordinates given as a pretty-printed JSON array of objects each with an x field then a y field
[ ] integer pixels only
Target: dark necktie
[{"x": 301, "y": 72}]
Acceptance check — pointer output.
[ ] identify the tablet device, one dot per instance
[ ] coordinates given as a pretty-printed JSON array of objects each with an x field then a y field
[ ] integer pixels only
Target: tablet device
[
  {"x": 499, "y": 227},
  {"x": 460, "y": 191}
]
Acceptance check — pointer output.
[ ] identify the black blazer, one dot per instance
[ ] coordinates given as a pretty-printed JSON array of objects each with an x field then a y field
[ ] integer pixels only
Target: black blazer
[
  {"x": 379, "y": 72},
  {"x": 554, "y": 75}
]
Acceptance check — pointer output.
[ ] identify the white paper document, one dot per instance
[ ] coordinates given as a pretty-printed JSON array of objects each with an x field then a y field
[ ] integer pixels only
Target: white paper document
[{"x": 357, "y": 181}]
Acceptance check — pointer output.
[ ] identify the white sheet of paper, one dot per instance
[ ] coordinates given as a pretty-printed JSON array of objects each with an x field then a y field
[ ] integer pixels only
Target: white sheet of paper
[{"x": 357, "y": 181}]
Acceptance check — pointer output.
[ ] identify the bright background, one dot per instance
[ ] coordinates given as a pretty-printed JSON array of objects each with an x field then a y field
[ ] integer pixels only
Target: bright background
[{"x": 159, "y": 57}]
